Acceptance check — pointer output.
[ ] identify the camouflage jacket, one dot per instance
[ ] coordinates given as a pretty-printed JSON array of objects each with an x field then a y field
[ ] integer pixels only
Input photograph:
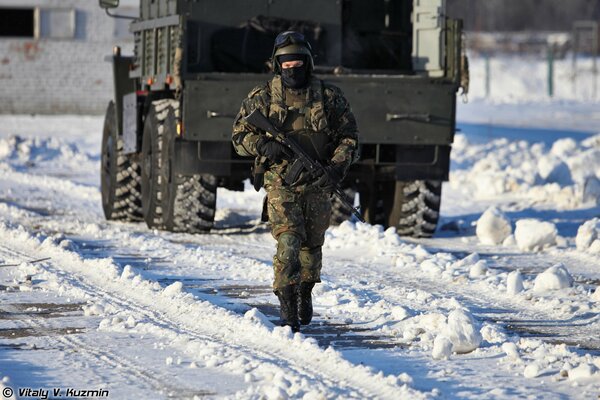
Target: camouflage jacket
[{"x": 327, "y": 110}]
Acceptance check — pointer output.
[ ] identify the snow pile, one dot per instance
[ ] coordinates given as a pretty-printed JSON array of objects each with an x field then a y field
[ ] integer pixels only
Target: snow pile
[
  {"x": 462, "y": 331},
  {"x": 532, "y": 370},
  {"x": 32, "y": 151},
  {"x": 583, "y": 371},
  {"x": 553, "y": 170},
  {"x": 514, "y": 283},
  {"x": 442, "y": 348},
  {"x": 588, "y": 236},
  {"x": 534, "y": 235},
  {"x": 567, "y": 174},
  {"x": 554, "y": 278},
  {"x": 511, "y": 350},
  {"x": 349, "y": 234},
  {"x": 493, "y": 227}
]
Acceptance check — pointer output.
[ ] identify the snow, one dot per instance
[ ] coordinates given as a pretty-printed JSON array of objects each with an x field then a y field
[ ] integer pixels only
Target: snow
[
  {"x": 493, "y": 227},
  {"x": 534, "y": 235},
  {"x": 554, "y": 278},
  {"x": 583, "y": 371},
  {"x": 442, "y": 348},
  {"x": 514, "y": 283},
  {"x": 588, "y": 236},
  {"x": 479, "y": 311},
  {"x": 511, "y": 350},
  {"x": 462, "y": 331}
]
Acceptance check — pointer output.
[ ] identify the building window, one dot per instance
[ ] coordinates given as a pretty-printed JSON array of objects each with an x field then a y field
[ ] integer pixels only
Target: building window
[
  {"x": 56, "y": 23},
  {"x": 17, "y": 22}
]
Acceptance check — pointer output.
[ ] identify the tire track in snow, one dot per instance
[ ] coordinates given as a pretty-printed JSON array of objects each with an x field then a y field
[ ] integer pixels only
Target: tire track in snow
[{"x": 358, "y": 383}]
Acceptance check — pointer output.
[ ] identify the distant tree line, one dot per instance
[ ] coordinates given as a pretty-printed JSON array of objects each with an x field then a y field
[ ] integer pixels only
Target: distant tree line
[{"x": 523, "y": 15}]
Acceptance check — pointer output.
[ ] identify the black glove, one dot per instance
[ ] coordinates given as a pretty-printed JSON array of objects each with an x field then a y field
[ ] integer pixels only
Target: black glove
[
  {"x": 335, "y": 174},
  {"x": 273, "y": 150}
]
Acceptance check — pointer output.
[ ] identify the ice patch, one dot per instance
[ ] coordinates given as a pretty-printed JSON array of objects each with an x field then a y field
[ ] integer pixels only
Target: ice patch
[
  {"x": 534, "y": 235},
  {"x": 493, "y": 227},
  {"x": 588, "y": 236},
  {"x": 463, "y": 331},
  {"x": 554, "y": 278}
]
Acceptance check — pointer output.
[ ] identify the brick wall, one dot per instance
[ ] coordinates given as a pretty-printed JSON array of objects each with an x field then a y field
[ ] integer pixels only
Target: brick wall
[{"x": 62, "y": 76}]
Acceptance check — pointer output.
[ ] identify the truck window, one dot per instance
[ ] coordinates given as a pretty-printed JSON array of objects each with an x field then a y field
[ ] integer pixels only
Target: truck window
[{"x": 377, "y": 34}]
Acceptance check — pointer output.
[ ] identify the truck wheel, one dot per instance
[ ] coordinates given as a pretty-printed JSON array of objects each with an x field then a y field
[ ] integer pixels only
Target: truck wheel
[
  {"x": 119, "y": 175},
  {"x": 155, "y": 164},
  {"x": 340, "y": 213},
  {"x": 194, "y": 203},
  {"x": 416, "y": 208},
  {"x": 172, "y": 202}
]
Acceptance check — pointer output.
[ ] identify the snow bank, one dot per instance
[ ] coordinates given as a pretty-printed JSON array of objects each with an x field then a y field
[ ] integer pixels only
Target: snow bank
[
  {"x": 566, "y": 174},
  {"x": 554, "y": 278},
  {"x": 493, "y": 227},
  {"x": 52, "y": 151},
  {"x": 534, "y": 235},
  {"x": 588, "y": 236}
]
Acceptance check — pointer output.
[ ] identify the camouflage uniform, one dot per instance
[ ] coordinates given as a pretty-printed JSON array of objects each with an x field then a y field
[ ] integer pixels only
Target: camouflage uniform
[{"x": 299, "y": 215}]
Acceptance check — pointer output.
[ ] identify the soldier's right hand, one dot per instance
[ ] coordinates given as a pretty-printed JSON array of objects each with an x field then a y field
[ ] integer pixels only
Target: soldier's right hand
[{"x": 273, "y": 150}]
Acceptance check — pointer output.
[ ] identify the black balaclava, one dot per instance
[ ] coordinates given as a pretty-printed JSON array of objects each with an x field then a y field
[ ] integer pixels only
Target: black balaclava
[{"x": 297, "y": 77}]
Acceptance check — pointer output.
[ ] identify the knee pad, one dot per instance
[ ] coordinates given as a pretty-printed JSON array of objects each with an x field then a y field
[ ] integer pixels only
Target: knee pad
[{"x": 288, "y": 248}]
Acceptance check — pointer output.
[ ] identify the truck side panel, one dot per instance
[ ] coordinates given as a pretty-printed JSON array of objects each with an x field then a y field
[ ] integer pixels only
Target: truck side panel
[{"x": 389, "y": 110}]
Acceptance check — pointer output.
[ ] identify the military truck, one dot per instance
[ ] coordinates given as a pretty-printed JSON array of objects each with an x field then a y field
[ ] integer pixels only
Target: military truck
[{"x": 166, "y": 144}]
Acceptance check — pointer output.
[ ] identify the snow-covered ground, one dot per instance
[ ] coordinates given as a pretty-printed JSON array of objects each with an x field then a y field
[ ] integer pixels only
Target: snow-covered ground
[{"x": 503, "y": 305}]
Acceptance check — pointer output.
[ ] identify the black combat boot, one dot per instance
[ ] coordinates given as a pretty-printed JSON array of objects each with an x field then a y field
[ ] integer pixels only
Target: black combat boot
[
  {"x": 305, "y": 308},
  {"x": 288, "y": 301}
]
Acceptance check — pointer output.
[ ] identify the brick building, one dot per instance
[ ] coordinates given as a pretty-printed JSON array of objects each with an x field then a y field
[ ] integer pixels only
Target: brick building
[{"x": 52, "y": 55}]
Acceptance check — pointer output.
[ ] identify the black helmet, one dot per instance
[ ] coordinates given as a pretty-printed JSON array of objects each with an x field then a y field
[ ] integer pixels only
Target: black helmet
[{"x": 291, "y": 42}]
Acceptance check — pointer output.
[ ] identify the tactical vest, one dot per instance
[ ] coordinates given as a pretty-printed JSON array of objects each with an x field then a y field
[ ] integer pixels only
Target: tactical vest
[{"x": 304, "y": 118}]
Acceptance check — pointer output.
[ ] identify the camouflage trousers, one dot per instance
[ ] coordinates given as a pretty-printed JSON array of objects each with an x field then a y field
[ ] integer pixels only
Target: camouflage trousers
[{"x": 298, "y": 223}]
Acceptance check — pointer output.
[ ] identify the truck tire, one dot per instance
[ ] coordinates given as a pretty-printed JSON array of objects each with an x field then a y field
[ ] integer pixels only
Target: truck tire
[
  {"x": 119, "y": 175},
  {"x": 416, "y": 208},
  {"x": 173, "y": 202},
  {"x": 340, "y": 213},
  {"x": 194, "y": 203}
]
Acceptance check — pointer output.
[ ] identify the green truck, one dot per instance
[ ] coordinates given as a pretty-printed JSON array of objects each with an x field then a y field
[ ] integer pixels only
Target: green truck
[{"x": 166, "y": 144}]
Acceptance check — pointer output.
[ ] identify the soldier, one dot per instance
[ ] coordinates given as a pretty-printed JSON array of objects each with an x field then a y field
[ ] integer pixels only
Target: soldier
[{"x": 319, "y": 118}]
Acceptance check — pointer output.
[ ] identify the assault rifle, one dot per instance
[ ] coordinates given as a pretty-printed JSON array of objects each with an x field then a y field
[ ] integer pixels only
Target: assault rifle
[{"x": 313, "y": 167}]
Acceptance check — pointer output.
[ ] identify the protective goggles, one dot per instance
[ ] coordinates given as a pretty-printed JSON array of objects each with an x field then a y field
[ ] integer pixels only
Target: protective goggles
[{"x": 291, "y": 37}]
